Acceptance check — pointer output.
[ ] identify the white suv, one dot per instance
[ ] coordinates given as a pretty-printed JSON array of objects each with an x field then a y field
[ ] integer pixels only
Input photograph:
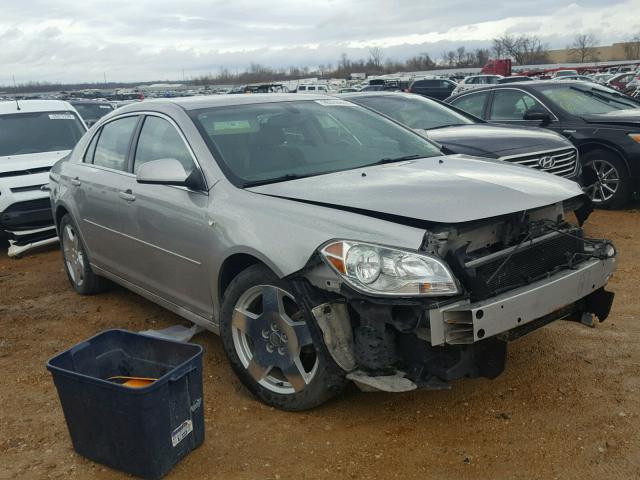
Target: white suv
[
  {"x": 34, "y": 134},
  {"x": 475, "y": 81}
]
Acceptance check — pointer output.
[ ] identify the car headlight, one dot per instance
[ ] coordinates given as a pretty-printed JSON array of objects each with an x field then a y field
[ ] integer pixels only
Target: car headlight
[
  {"x": 375, "y": 269},
  {"x": 635, "y": 137}
]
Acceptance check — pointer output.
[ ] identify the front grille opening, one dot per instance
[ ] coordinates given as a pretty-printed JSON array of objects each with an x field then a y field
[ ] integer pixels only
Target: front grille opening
[
  {"x": 528, "y": 264},
  {"x": 559, "y": 162}
]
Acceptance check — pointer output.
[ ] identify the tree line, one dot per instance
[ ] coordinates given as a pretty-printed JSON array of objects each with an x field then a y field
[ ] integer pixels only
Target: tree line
[{"x": 522, "y": 49}]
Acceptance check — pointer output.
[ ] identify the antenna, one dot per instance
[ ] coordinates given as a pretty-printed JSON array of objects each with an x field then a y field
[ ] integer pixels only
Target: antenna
[{"x": 15, "y": 91}]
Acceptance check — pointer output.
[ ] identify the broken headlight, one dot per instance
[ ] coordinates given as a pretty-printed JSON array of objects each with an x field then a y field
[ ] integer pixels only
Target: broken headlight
[{"x": 375, "y": 269}]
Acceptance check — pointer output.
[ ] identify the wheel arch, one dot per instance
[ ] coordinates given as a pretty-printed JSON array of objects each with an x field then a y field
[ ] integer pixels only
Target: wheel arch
[
  {"x": 589, "y": 147},
  {"x": 236, "y": 263}
]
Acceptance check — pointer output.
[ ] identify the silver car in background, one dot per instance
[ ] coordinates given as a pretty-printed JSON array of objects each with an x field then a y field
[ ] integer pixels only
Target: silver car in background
[{"x": 324, "y": 242}]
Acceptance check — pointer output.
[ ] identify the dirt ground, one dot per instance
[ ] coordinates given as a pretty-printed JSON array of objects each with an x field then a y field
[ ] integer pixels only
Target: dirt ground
[{"x": 567, "y": 406}]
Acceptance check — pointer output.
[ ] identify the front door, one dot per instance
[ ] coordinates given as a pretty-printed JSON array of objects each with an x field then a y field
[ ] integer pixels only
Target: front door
[{"x": 169, "y": 224}]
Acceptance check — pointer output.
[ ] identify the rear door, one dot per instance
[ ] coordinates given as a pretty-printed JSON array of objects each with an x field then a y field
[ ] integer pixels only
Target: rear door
[
  {"x": 168, "y": 224},
  {"x": 95, "y": 184},
  {"x": 473, "y": 103}
]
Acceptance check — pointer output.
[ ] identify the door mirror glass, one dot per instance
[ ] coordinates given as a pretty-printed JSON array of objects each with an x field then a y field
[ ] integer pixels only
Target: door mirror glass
[
  {"x": 536, "y": 114},
  {"x": 165, "y": 171}
]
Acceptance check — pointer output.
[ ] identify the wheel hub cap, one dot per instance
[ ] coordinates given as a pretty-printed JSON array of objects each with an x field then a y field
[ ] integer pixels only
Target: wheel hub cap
[{"x": 272, "y": 341}]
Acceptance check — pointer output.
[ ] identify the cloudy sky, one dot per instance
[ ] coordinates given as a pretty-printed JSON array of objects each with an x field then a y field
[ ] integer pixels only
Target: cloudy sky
[{"x": 135, "y": 40}]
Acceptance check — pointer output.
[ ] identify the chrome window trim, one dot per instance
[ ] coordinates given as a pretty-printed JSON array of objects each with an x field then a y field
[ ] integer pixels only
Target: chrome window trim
[
  {"x": 131, "y": 174},
  {"x": 493, "y": 90}
]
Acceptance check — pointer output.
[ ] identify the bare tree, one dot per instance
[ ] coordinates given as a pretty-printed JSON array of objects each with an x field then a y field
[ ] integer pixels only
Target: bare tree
[
  {"x": 376, "y": 56},
  {"x": 523, "y": 49},
  {"x": 632, "y": 48},
  {"x": 583, "y": 48}
]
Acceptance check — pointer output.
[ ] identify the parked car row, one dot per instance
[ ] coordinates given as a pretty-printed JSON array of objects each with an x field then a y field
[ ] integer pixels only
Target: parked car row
[
  {"x": 328, "y": 243},
  {"x": 603, "y": 124}
]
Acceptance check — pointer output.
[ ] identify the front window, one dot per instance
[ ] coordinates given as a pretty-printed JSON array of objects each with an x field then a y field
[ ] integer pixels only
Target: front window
[
  {"x": 512, "y": 104},
  {"x": 584, "y": 100},
  {"x": 417, "y": 112},
  {"x": 37, "y": 132},
  {"x": 262, "y": 143}
]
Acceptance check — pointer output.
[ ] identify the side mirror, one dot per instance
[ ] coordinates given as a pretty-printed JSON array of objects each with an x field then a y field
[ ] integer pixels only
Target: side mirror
[
  {"x": 537, "y": 115},
  {"x": 166, "y": 171}
]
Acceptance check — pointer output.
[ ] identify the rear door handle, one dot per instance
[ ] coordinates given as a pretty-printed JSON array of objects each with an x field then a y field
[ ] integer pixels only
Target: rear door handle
[
  {"x": 127, "y": 195},
  {"x": 76, "y": 181}
]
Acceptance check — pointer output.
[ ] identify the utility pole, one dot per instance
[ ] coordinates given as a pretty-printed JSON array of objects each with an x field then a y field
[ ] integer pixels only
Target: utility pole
[{"x": 105, "y": 78}]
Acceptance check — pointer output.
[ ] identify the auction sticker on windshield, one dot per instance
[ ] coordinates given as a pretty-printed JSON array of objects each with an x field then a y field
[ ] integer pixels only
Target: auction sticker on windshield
[{"x": 61, "y": 116}]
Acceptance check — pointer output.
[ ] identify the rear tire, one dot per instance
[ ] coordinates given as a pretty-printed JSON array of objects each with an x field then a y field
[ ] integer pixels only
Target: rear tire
[
  {"x": 76, "y": 261},
  {"x": 613, "y": 186},
  {"x": 271, "y": 348}
]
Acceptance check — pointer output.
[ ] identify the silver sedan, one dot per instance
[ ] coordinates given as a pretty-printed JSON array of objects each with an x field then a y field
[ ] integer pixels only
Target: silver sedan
[{"x": 324, "y": 242}]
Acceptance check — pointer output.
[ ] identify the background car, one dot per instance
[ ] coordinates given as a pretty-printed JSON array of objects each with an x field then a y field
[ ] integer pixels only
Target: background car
[
  {"x": 476, "y": 81},
  {"x": 460, "y": 132},
  {"x": 433, "y": 87},
  {"x": 91, "y": 111},
  {"x": 515, "y": 79},
  {"x": 564, "y": 73},
  {"x": 34, "y": 134},
  {"x": 619, "y": 81},
  {"x": 603, "y": 124}
]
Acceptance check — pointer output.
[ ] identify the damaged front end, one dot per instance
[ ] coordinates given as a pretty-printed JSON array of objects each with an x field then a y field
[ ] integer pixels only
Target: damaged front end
[{"x": 512, "y": 274}]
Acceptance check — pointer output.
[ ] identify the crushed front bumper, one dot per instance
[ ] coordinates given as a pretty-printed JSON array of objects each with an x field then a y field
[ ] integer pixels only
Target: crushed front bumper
[
  {"x": 28, "y": 224},
  {"x": 465, "y": 322}
]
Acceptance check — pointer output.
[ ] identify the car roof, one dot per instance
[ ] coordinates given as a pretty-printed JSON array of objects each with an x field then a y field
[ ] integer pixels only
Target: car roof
[
  {"x": 30, "y": 106},
  {"x": 211, "y": 101},
  {"x": 522, "y": 86}
]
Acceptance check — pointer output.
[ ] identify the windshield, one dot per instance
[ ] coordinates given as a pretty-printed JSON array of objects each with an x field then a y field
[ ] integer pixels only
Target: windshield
[
  {"x": 415, "y": 112},
  {"x": 36, "y": 132},
  {"x": 584, "y": 100},
  {"x": 92, "y": 111},
  {"x": 261, "y": 143}
]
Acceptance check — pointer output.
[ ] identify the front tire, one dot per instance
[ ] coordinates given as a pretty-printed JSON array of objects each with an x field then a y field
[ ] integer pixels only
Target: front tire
[
  {"x": 612, "y": 188},
  {"x": 272, "y": 350},
  {"x": 76, "y": 262}
]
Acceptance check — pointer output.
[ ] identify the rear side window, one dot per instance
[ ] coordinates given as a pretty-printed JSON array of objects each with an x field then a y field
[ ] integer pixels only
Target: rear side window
[
  {"x": 472, "y": 80},
  {"x": 113, "y": 145},
  {"x": 302, "y": 88},
  {"x": 473, "y": 103},
  {"x": 160, "y": 140}
]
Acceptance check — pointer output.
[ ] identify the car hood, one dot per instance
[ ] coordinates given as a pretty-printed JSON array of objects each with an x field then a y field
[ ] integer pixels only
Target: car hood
[
  {"x": 617, "y": 117},
  {"x": 494, "y": 140},
  {"x": 16, "y": 163},
  {"x": 443, "y": 189}
]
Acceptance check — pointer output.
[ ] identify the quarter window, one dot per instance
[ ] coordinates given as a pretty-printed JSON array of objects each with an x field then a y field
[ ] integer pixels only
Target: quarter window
[
  {"x": 160, "y": 140},
  {"x": 473, "y": 103},
  {"x": 88, "y": 156},
  {"x": 113, "y": 145},
  {"x": 512, "y": 104}
]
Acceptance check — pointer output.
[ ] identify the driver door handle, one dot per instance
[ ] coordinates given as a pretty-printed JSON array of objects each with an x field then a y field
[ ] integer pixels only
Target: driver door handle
[
  {"x": 127, "y": 195},
  {"x": 76, "y": 182}
]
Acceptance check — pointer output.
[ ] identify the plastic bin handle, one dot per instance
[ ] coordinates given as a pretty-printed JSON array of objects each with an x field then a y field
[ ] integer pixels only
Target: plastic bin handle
[{"x": 181, "y": 373}]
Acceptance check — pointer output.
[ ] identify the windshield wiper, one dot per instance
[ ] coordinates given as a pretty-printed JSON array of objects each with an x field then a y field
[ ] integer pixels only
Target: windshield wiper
[
  {"x": 382, "y": 161},
  {"x": 266, "y": 181}
]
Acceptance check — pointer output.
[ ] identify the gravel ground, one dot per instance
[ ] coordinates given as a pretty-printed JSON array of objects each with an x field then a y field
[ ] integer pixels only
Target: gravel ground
[{"x": 567, "y": 405}]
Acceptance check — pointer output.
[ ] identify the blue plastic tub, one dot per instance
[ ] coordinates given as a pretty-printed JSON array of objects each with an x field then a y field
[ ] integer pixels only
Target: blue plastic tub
[{"x": 142, "y": 431}]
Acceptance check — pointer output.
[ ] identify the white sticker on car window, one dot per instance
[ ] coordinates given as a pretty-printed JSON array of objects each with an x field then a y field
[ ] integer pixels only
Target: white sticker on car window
[
  {"x": 105, "y": 106},
  {"x": 61, "y": 116},
  {"x": 334, "y": 102}
]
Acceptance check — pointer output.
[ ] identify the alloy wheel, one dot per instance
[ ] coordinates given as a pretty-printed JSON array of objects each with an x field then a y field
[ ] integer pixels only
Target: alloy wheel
[
  {"x": 73, "y": 255},
  {"x": 608, "y": 180},
  {"x": 272, "y": 340}
]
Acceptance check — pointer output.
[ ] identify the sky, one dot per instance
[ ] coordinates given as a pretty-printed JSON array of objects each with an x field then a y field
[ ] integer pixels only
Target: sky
[{"x": 141, "y": 40}]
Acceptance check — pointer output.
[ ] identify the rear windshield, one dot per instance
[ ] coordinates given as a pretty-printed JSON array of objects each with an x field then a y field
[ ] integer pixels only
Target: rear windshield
[
  {"x": 36, "y": 132},
  {"x": 417, "y": 112},
  {"x": 92, "y": 111},
  {"x": 266, "y": 142}
]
